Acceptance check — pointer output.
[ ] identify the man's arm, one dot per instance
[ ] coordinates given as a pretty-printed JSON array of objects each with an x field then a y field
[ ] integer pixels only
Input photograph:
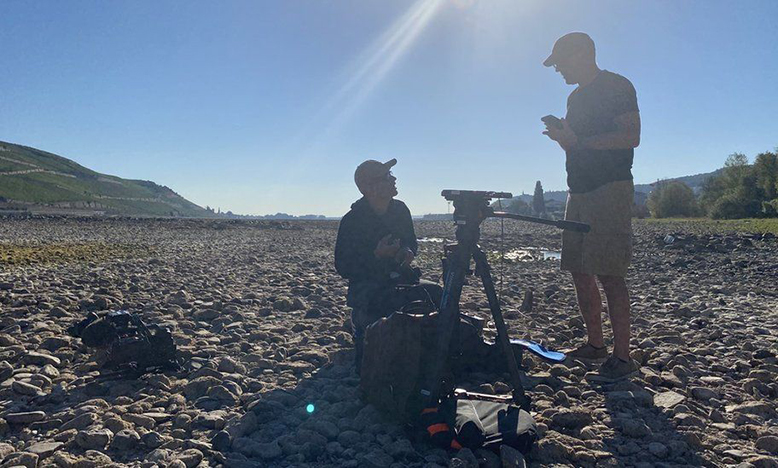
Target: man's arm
[
  {"x": 627, "y": 135},
  {"x": 352, "y": 258},
  {"x": 411, "y": 241},
  {"x": 409, "y": 245}
]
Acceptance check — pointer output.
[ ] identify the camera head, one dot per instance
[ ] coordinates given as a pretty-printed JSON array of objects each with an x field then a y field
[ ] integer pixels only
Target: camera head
[
  {"x": 486, "y": 195},
  {"x": 472, "y": 206}
]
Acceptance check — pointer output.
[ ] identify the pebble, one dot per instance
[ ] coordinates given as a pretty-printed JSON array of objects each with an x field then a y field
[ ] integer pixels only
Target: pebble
[
  {"x": 44, "y": 449},
  {"x": 23, "y": 388},
  {"x": 190, "y": 457},
  {"x": 377, "y": 458},
  {"x": 94, "y": 439},
  {"x": 349, "y": 438},
  {"x": 80, "y": 422},
  {"x": 125, "y": 439},
  {"x": 25, "y": 418},
  {"x": 152, "y": 439},
  {"x": 6, "y": 370},
  {"x": 26, "y": 459},
  {"x": 571, "y": 418},
  {"x": 5, "y": 450},
  {"x": 511, "y": 458},
  {"x": 768, "y": 443},
  {"x": 667, "y": 400},
  {"x": 658, "y": 449},
  {"x": 703, "y": 393},
  {"x": 634, "y": 428},
  {"x": 140, "y": 420},
  {"x": 41, "y": 359},
  {"x": 686, "y": 419}
]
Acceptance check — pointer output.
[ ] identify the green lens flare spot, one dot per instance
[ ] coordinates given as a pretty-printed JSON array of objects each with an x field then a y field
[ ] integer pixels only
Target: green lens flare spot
[{"x": 310, "y": 408}]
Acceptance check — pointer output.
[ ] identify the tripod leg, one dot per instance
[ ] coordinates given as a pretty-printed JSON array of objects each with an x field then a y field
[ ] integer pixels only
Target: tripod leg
[
  {"x": 482, "y": 269},
  {"x": 448, "y": 320}
]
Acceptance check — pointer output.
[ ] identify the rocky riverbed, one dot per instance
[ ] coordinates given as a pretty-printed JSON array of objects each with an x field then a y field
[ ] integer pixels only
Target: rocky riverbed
[{"x": 259, "y": 316}]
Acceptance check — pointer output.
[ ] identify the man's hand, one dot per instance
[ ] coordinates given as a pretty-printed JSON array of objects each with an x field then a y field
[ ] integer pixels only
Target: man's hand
[
  {"x": 565, "y": 136},
  {"x": 404, "y": 257},
  {"x": 387, "y": 248}
]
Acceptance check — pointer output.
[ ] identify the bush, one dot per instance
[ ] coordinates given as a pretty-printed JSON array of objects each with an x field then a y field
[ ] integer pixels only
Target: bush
[
  {"x": 743, "y": 190},
  {"x": 735, "y": 206},
  {"x": 673, "y": 199},
  {"x": 712, "y": 189},
  {"x": 519, "y": 207},
  {"x": 640, "y": 211},
  {"x": 766, "y": 172}
]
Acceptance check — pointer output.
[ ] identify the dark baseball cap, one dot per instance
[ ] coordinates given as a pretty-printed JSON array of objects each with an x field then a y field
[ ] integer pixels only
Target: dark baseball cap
[
  {"x": 568, "y": 45},
  {"x": 370, "y": 170}
]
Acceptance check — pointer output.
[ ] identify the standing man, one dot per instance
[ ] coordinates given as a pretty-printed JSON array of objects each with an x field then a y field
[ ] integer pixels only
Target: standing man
[
  {"x": 374, "y": 250},
  {"x": 598, "y": 134}
]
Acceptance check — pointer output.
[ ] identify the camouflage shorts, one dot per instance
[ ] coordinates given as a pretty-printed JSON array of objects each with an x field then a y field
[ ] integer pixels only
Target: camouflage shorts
[{"x": 607, "y": 248}]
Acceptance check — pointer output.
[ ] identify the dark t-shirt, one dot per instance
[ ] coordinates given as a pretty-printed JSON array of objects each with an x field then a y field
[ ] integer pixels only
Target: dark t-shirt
[{"x": 591, "y": 110}]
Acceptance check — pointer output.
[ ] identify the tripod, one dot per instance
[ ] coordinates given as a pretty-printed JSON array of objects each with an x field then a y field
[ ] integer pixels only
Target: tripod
[{"x": 471, "y": 208}]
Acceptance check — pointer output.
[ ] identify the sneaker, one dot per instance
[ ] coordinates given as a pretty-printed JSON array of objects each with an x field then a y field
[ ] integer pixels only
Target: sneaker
[
  {"x": 588, "y": 353},
  {"x": 614, "y": 370}
]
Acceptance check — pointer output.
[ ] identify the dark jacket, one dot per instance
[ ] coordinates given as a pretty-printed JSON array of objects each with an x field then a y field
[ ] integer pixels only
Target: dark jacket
[{"x": 358, "y": 235}]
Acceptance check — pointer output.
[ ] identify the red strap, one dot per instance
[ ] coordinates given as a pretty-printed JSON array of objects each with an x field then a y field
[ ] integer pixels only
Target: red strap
[
  {"x": 455, "y": 445},
  {"x": 429, "y": 410},
  {"x": 435, "y": 428}
]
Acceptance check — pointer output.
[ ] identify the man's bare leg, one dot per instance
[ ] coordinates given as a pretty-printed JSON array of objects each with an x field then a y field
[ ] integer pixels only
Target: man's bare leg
[
  {"x": 590, "y": 303},
  {"x": 618, "y": 308}
]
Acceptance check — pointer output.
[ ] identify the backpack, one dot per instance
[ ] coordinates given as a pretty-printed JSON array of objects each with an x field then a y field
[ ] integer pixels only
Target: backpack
[
  {"x": 397, "y": 349},
  {"x": 473, "y": 420},
  {"x": 130, "y": 345},
  {"x": 398, "y": 352}
]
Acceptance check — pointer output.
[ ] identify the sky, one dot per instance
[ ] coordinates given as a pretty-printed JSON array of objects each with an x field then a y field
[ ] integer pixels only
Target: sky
[{"x": 264, "y": 106}]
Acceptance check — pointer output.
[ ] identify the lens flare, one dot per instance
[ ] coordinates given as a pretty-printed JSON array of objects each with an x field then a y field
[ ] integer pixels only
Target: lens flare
[
  {"x": 310, "y": 408},
  {"x": 371, "y": 67},
  {"x": 463, "y": 4},
  {"x": 384, "y": 55}
]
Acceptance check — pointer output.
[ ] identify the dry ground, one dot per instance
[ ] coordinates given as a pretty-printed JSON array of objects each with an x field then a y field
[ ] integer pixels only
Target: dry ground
[{"x": 259, "y": 314}]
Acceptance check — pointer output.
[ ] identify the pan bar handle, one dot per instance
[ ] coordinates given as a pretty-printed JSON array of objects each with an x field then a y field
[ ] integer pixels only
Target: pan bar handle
[{"x": 568, "y": 225}]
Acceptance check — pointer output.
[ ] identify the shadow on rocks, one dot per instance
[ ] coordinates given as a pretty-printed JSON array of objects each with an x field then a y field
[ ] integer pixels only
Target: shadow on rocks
[
  {"x": 643, "y": 428},
  {"x": 321, "y": 421}
]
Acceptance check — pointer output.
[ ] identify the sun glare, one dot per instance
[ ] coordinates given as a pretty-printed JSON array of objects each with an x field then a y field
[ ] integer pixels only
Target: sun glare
[
  {"x": 463, "y": 4},
  {"x": 375, "y": 63},
  {"x": 381, "y": 57}
]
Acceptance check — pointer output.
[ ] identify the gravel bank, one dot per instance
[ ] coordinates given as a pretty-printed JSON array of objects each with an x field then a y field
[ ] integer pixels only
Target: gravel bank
[{"x": 259, "y": 312}]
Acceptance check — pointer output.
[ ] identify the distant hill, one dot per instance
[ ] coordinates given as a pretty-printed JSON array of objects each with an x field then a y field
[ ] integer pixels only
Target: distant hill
[
  {"x": 693, "y": 181},
  {"x": 277, "y": 216},
  {"x": 34, "y": 180},
  {"x": 436, "y": 217}
]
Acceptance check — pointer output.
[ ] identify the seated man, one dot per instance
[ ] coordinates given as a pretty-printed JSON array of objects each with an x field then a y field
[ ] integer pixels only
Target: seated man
[{"x": 374, "y": 250}]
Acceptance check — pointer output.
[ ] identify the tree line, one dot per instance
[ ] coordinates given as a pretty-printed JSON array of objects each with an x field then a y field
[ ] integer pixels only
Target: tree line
[
  {"x": 518, "y": 206},
  {"x": 741, "y": 190}
]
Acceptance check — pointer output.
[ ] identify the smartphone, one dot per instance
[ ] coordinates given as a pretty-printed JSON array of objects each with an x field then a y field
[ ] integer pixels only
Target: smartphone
[{"x": 552, "y": 121}]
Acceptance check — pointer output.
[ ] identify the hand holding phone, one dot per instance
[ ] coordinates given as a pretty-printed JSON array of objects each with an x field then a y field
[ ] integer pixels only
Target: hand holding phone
[{"x": 387, "y": 247}]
